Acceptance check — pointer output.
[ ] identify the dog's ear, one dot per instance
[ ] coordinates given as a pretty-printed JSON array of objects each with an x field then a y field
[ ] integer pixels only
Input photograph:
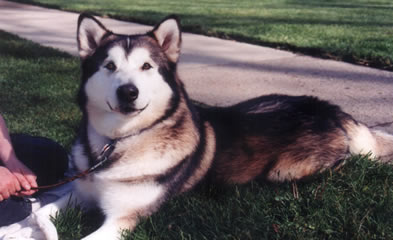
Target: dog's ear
[
  {"x": 90, "y": 33},
  {"x": 168, "y": 35}
]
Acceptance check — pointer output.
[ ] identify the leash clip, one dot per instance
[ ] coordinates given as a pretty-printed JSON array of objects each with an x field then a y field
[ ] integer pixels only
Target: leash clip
[{"x": 104, "y": 156}]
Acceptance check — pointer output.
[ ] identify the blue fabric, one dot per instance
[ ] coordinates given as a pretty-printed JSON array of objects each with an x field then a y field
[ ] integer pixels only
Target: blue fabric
[{"x": 13, "y": 210}]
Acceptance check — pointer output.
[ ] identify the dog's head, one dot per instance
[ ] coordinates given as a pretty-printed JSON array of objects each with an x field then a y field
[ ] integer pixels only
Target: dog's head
[{"x": 128, "y": 81}]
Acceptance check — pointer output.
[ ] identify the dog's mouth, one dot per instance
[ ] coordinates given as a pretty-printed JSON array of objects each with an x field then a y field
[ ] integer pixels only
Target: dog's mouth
[{"x": 126, "y": 109}]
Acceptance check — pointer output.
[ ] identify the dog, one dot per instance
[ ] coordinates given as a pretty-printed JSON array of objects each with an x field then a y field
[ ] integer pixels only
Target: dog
[{"x": 163, "y": 144}]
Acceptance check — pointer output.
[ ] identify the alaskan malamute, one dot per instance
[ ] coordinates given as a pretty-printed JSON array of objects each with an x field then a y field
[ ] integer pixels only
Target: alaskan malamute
[{"x": 162, "y": 144}]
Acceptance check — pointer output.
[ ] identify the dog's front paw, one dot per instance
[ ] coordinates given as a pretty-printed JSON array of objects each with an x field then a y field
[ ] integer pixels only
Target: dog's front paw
[{"x": 33, "y": 227}]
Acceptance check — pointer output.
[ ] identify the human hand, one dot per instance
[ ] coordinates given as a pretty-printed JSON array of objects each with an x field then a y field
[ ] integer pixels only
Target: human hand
[
  {"x": 9, "y": 185},
  {"x": 25, "y": 177}
]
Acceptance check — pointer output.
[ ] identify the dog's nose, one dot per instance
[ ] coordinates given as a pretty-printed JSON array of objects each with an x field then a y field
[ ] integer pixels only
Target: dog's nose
[{"x": 127, "y": 93}]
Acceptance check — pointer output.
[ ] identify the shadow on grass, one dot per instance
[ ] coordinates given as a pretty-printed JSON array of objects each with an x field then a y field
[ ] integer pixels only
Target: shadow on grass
[
  {"x": 38, "y": 86},
  {"x": 14, "y": 47},
  {"x": 349, "y": 5}
]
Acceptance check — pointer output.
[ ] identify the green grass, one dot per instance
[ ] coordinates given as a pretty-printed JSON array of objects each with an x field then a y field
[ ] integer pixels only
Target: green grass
[
  {"x": 38, "y": 85},
  {"x": 38, "y": 88},
  {"x": 359, "y": 31},
  {"x": 354, "y": 203}
]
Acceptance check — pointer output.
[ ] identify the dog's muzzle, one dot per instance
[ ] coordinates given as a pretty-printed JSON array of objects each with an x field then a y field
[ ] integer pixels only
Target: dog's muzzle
[{"x": 127, "y": 94}]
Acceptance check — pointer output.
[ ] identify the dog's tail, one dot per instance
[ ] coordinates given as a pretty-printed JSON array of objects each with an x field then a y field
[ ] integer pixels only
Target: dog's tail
[{"x": 363, "y": 140}]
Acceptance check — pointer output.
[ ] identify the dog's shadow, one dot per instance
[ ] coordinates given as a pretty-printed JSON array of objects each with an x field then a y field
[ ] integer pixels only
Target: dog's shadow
[{"x": 95, "y": 218}]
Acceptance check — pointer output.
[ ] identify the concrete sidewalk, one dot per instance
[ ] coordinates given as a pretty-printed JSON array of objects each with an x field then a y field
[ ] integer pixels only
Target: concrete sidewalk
[{"x": 223, "y": 72}]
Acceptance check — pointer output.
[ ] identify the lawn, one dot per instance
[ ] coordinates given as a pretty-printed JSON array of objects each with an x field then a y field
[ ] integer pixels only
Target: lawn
[
  {"x": 358, "y": 31},
  {"x": 38, "y": 86},
  {"x": 37, "y": 89}
]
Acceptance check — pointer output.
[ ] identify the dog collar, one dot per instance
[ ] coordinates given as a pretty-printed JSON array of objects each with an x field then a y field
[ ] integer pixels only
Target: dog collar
[{"x": 107, "y": 150}]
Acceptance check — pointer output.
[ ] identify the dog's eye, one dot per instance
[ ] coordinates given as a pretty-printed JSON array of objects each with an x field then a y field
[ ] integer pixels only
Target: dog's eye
[
  {"x": 146, "y": 66},
  {"x": 110, "y": 66}
]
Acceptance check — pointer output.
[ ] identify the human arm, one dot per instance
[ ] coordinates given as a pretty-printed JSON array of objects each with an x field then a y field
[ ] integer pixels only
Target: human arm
[{"x": 26, "y": 179}]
